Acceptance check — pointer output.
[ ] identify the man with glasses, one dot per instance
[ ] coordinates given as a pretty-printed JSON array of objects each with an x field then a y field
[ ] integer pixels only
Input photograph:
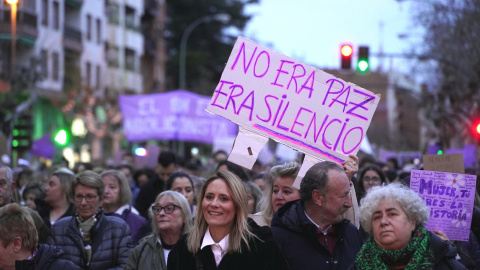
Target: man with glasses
[
  {"x": 312, "y": 231},
  {"x": 90, "y": 239}
]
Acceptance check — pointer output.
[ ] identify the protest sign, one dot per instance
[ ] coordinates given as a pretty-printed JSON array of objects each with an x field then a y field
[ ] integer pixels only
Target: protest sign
[
  {"x": 177, "y": 115},
  {"x": 273, "y": 96},
  {"x": 450, "y": 197},
  {"x": 444, "y": 163}
]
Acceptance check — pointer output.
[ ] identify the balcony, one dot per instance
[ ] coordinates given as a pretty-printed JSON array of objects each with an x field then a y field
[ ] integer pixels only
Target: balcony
[
  {"x": 26, "y": 31},
  {"x": 72, "y": 39}
]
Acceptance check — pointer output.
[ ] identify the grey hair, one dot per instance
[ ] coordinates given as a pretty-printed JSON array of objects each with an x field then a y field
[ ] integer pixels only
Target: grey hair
[
  {"x": 408, "y": 199},
  {"x": 181, "y": 201},
  {"x": 9, "y": 172}
]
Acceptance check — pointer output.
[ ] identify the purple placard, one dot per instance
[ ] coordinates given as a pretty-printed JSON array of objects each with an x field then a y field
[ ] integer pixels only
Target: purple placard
[
  {"x": 450, "y": 197},
  {"x": 177, "y": 115}
]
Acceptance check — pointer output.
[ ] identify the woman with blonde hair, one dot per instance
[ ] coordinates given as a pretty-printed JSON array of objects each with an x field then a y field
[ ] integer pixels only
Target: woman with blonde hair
[
  {"x": 279, "y": 190},
  {"x": 117, "y": 199},
  {"x": 58, "y": 201},
  {"x": 223, "y": 237},
  {"x": 171, "y": 219}
]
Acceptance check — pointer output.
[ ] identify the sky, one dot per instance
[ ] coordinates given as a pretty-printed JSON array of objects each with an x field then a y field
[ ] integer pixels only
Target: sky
[{"x": 311, "y": 31}]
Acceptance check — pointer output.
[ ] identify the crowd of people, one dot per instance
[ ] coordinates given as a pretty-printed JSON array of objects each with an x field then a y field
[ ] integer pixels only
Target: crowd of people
[{"x": 169, "y": 217}]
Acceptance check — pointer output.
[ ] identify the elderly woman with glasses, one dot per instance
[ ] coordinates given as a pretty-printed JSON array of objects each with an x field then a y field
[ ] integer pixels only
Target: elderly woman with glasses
[
  {"x": 90, "y": 239},
  {"x": 171, "y": 220}
]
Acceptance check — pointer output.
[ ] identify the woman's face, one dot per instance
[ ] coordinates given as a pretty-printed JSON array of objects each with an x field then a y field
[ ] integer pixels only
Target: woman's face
[
  {"x": 371, "y": 179},
  {"x": 283, "y": 192},
  {"x": 112, "y": 190},
  {"x": 218, "y": 207},
  {"x": 53, "y": 190},
  {"x": 30, "y": 200},
  {"x": 184, "y": 186},
  {"x": 391, "y": 228},
  {"x": 169, "y": 223}
]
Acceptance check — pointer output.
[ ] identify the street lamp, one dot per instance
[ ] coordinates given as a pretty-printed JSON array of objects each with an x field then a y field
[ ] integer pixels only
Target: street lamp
[
  {"x": 13, "y": 5},
  {"x": 221, "y": 17}
]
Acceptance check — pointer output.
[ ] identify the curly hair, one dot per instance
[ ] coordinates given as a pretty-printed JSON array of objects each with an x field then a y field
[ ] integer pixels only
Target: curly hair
[{"x": 410, "y": 201}]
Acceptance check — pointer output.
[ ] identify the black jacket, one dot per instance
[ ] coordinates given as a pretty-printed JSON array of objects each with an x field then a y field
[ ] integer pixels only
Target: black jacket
[
  {"x": 147, "y": 195},
  {"x": 265, "y": 254},
  {"x": 296, "y": 235},
  {"x": 110, "y": 237},
  {"x": 47, "y": 257}
]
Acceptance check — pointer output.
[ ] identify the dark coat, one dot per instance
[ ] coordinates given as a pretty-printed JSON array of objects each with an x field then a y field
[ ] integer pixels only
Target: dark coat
[
  {"x": 148, "y": 254},
  {"x": 110, "y": 237},
  {"x": 444, "y": 255},
  {"x": 296, "y": 235},
  {"x": 265, "y": 254},
  {"x": 48, "y": 257},
  {"x": 135, "y": 222},
  {"x": 147, "y": 195},
  {"x": 43, "y": 209},
  {"x": 469, "y": 252}
]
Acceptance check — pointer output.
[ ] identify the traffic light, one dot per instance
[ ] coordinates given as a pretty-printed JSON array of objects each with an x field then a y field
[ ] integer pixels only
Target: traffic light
[
  {"x": 363, "y": 65},
  {"x": 346, "y": 52},
  {"x": 62, "y": 137},
  {"x": 22, "y": 133}
]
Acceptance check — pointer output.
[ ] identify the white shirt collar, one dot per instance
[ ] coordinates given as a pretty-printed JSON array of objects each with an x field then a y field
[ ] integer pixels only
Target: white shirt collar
[
  {"x": 311, "y": 219},
  {"x": 208, "y": 241}
]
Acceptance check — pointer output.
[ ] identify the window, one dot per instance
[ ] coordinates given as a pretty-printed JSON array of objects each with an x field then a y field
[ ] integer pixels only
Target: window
[
  {"x": 89, "y": 27},
  {"x": 129, "y": 59},
  {"x": 130, "y": 18},
  {"x": 56, "y": 16},
  {"x": 45, "y": 12},
  {"x": 44, "y": 63},
  {"x": 99, "y": 76},
  {"x": 55, "y": 66},
  {"x": 89, "y": 72},
  {"x": 99, "y": 31}
]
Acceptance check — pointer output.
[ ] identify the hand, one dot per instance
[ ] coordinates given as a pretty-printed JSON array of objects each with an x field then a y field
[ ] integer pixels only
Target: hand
[
  {"x": 350, "y": 165},
  {"x": 441, "y": 234}
]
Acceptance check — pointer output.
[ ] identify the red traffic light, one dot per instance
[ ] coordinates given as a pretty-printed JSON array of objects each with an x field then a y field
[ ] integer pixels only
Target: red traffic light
[
  {"x": 346, "y": 50},
  {"x": 477, "y": 128}
]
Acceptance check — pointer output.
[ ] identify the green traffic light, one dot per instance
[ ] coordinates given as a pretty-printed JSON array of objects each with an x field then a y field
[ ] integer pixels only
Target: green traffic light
[
  {"x": 362, "y": 65},
  {"x": 15, "y": 143},
  {"x": 440, "y": 152},
  {"x": 15, "y": 132},
  {"x": 61, "y": 137}
]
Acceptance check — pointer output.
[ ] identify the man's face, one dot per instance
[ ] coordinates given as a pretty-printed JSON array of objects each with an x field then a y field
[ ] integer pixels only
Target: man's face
[
  {"x": 338, "y": 198},
  {"x": 164, "y": 172},
  {"x": 6, "y": 188}
]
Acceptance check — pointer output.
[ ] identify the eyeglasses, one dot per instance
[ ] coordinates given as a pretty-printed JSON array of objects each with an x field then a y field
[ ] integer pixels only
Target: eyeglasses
[
  {"x": 373, "y": 179},
  {"x": 168, "y": 209},
  {"x": 88, "y": 198}
]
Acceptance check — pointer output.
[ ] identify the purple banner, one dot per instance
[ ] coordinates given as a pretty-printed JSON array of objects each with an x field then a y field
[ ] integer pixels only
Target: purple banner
[
  {"x": 450, "y": 198},
  {"x": 177, "y": 115}
]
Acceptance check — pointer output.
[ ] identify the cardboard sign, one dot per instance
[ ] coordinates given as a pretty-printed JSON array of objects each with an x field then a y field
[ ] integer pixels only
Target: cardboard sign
[
  {"x": 450, "y": 197},
  {"x": 176, "y": 115},
  {"x": 274, "y": 96},
  {"x": 444, "y": 163}
]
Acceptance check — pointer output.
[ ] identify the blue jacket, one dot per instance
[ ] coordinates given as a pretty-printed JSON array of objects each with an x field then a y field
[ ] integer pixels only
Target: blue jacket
[
  {"x": 110, "y": 237},
  {"x": 296, "y": 235},
  {"x": 47, "y": 257}
]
